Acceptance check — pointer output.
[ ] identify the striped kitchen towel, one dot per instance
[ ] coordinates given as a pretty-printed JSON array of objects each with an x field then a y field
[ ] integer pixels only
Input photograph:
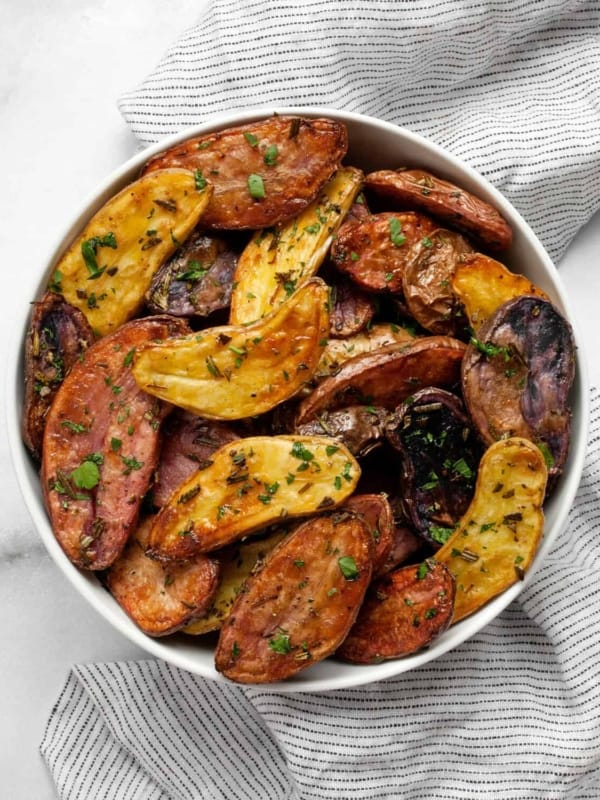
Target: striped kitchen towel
[
  {"x": 513, "y": 713},
  {"x": 510, "y": 86}
]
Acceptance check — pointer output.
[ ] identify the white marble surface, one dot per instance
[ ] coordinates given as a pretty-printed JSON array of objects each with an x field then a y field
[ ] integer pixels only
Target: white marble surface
[{"x": 62, "y": 67}]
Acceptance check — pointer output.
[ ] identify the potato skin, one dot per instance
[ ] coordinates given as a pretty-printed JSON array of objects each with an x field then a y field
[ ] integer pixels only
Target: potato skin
[
  {"x": 160, "y": 599},
  {"x": 299, "y": 607},
  {"x": 58, "y": 336},
  {"x": 376, "y": 513},
  {"x": 366, "y": 252},
  {"x": 402, "y": 613},
  {"x": 517, "y": 376},
  {"x": 100, "y": 413},
  {"x": 388, "y": 376},
  {"x": 308, "y": 153},
  {"x": 458, "y": 208}
]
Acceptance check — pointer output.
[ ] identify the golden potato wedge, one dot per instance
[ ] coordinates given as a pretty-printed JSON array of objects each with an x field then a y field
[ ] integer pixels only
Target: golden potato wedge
[
  {"x": 338, "y": 351},
  {"x": 250, "y": 484},
  {"x": 236, "y": 563},
  {"x": 388, "y": 376},
  {"x": 159, "y": 598},
  {"x": 278, "y": 261},
  {"x": 495, "y": 541},
  {"x": 403, "y": 612},
  {"x": 264, "y": 172},
  {"x": 483, "y": 284},
  {"x": 236, "y": 371},
  {"x": 109, "y": 267},
  {"x": 299, "y": 607}
]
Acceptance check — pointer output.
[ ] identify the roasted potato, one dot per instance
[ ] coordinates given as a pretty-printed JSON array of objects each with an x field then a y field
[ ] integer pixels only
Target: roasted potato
[
  {"x": 375, "y": 511},
  {"x": 495, "y": 541},
  {"x": 160, "y": 598},
  {"x": 388, "y": 376},
  {"x": 517, "y": 375},
  {"x": 299, "y": 607},
  {"x": 108, "y": 269},
  {"x": 427, "y": 284},
  {"x": 376, "y": 251},
  {"x": 360, "y": 428},
  {"x": 58, "y": 336},
  {"x": 278, "y": 261},
  {"x": 481, "y": 285},
  {"x": 264, "y": 172},
  {"x": 101, "y": 445},
  {"x": 250, "y": 484},
  {"x": 235, "y": 371},
  {"x": 351, "y": 309},
  {"x": 403, "y": 612},
  {"x": 452, "y": 205}
]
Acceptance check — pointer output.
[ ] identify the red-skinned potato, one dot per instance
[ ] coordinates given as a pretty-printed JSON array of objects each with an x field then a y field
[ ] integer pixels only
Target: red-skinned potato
[
  {"x": 101, "y": 446},
  {"x": 299, "y": 607}
]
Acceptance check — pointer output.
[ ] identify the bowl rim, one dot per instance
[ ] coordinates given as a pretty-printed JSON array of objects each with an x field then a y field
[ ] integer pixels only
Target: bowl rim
[{"x": 347, "y": 675}]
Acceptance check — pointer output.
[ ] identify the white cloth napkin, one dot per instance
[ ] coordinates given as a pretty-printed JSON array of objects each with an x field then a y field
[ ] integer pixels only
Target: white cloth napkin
[{"x": 513, "y": 87}]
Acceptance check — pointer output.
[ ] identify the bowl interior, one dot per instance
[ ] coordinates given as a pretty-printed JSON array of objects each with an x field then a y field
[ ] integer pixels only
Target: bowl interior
[{"x": 374, "y": 144}]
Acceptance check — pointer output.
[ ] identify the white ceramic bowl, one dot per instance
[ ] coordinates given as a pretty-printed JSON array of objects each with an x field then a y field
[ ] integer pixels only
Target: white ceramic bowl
[{"x": 374, "y": 144}]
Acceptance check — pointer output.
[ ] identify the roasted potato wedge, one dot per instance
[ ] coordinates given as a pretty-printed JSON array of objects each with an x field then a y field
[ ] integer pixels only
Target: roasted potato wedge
[
  {"x": 236, "y": 371},
  {"x": 197, "y": 280},
  {"x": 461, "y": 210},
  {"x": 108, "y": 269},
  {"x": 360, "y": 428},
  {"x": 338, "y": 351},
  {"x": 278, "y": 261},
  {"x": 351, "y": 309},
  {"x": 388, "y": 376},
  {"x": 498, "y": 535},
  {"x": 299, "y": 607},
  {"x": 236, "y": 563},
  {"x": 518, "y": 374},
  {"x": 159, "y": 598},
  {"x": 375, "y": 252},
  {"x": 58, "y": 336},
  {"x": 250, "y": 484},
  {"x": 427, "y": 287},
  {"x": 439, "y": 454},
  {"x": 482, "y": 284},
  {"x": 403, "y": 612},
  {"x": 264, "y": 172},
  {"x": 101, "y": 445}
]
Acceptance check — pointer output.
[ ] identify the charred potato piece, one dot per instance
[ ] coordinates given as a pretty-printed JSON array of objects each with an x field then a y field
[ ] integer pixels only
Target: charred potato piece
[
  {"x": 440, "y": 453},
  {"x": 379, "y": 335},
  {"x": 250, "y": 484},
  {"x": 58, "y": 336},
  {"x": 360, "y": 428},
  {"x": 403, "y": 612},
  {"x": 276, "y": 262},
  {"x": 388, "y": 376},
  {"x": 299, "y": 607},
  {"x": 482, "y": 284},
  {"x": 197, "y": 280},
  {"x": 517, "y": 376},
  {"x": 235, "y": 371},
  {"x": 375, "y": 252},
  {"x": 352, "y": 310},
  {"x": 498, "y": 536},
  {"x": 108, "y": 269},
  {"x": 236, "y": 563},
  {"x": 264, "y": 172},
  {"x": 427, "y": 284},
  {"x": 415, "y": 188},
  {"x": 160, "y": 599},
  {"x": 188, "y": 443},
  {"x": 376, "y": 512},
  {"x": 101, "y": 445}
]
